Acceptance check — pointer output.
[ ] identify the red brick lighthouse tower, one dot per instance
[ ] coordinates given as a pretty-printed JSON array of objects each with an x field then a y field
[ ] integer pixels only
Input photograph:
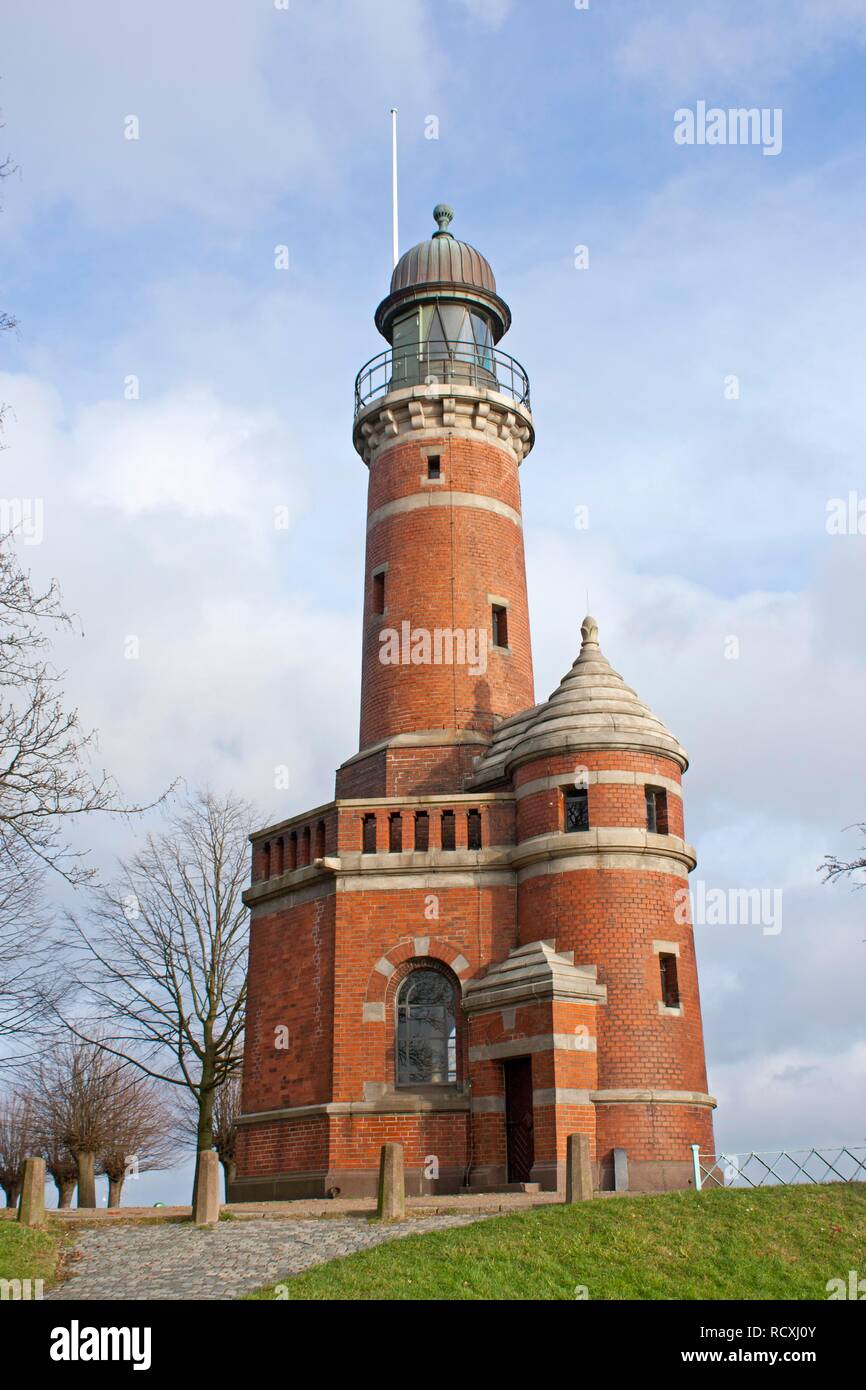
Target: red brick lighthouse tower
[{"x": 480, "y": 945}]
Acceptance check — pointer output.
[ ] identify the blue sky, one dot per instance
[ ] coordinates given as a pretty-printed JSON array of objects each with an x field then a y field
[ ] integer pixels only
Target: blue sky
[{"x": 261, "y": 127}]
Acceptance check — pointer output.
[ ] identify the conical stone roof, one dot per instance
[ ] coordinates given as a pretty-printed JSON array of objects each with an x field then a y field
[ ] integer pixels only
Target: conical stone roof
[{"x": 591, "y": 708}]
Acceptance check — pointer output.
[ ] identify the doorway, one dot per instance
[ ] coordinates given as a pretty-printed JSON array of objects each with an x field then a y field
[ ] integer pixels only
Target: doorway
[{"x": 519, "y": 1141}]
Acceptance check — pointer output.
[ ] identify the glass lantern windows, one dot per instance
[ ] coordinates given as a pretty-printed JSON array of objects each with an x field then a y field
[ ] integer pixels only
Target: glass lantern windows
[{"x": 442, "y": 342}]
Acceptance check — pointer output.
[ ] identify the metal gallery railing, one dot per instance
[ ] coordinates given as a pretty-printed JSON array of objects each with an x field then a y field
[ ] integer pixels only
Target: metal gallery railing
[
  {"x": 441, "y": 364},
  {"x": 777, "y": 1167}
]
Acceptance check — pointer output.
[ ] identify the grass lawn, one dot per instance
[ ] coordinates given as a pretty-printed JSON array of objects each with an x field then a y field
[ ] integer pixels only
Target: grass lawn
[
  {"x": 773, "y": 1243},
  {"x": 26, "y": 1254}
]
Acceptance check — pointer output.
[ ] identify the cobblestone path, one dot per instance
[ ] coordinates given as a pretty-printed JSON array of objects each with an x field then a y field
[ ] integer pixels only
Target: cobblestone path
[{"x": 232, "y": 1258}]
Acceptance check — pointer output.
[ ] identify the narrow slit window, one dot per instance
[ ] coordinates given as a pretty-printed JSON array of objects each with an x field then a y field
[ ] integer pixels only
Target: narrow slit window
[
  {"x": 473, "y": 829},
  {"x": 576, "y": 809},
  {"x": 281, "y": 850},
  {"x": 449, "y": 840},
  {"x": 320, "y": 840},
  {"x": 293, "y": 850},
  {"x": 266, "y": 859},
  {"x": 395, "y": 832},
  {"x": 657, "y": 810},
  {"x": 379, "y": 592},
  {"x": 422, "y": 832},
  {"x": 670, "y": 985},
  {"x": 305, "y": 845},
  {"x": 500, "y": 625},
  {"x": 434, "y": 467},
  {"x": 369, "y": 841}
]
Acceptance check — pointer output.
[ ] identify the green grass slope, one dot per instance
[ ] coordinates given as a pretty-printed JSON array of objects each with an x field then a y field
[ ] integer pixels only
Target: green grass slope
[{"x": 772, "y": 1243}]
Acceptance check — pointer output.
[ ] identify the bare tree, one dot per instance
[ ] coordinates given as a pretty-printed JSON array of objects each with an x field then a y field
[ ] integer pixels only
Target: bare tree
[
  {"x": 16, "y": 1134},
  {"x": 46, "y": 783},
  {"x": 162, "y": 953},
  {"x": 139, "y": 1132},
  {"x": 834, "y": 868},
  {"x": 227, "y": 1108},
  {"x": 62, "y": 1169},
  {"x": 71, "y": 1094}
]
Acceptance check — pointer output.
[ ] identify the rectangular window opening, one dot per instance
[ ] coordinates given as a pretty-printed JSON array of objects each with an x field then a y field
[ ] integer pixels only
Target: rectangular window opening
[
  {"x": 379, "y": 592},
  {"x": 449, "y": 839},
  {"x": 422, "y": 832},
  {"x": 473, "y": 829},
  {"x": 395, "y": 832},
  {"x": 670, "y": 986},
  {"x": 434, "y": 467},
  {"x": 500, "y": 625},
  {"x": 576, "y": 809},
  {"x": 369, "y": 841},
  {"x": 657, "y": 810}
]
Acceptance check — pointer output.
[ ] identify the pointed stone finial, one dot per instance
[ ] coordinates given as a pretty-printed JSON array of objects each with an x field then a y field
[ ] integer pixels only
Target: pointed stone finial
[
  {"x": 442, "y": 215},
  {"x": 589, "y": 632}
]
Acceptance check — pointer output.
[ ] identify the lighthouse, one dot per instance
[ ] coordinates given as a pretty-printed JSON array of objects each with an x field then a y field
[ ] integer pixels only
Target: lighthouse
[{"x": 478, "y": 946}]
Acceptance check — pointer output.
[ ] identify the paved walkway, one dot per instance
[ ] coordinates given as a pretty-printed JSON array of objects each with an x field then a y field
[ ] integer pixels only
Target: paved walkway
[{"x": 180, "y": 1261}]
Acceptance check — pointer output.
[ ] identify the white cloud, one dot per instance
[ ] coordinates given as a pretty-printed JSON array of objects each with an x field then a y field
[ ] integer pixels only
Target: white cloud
[
  {"x": 186, "y": 452},
  {"x": 798, "y": 1097},
  {"x": 740, "y": 44},
  {"x": 493, "y": 13}
]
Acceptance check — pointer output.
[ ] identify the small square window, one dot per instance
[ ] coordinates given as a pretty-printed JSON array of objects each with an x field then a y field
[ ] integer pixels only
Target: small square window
[
  {"x": 500, "y": 625},
  {"x": 670, "y": 985},
  {"x": 657, "y": 810},
  {"x": 434, "y": 467},
  {"x": 576, "y": 809},
  {"x": 379, "y": 592}
]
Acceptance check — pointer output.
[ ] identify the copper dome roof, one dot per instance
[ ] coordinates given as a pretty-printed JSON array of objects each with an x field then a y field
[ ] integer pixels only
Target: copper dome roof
[
  {"x": 443, "y": 268},
  {"x": 442, "y": 259}
]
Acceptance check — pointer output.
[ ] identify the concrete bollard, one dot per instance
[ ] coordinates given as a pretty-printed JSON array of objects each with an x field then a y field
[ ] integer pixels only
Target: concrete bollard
[
  {"x": 206, "y": 1211},
  {"x": 86, "y": 1163},
  {"x": 31, "y": 1203},
  {"x": 578, "y": 1169},
  {"x": 392, "y": 1185}
]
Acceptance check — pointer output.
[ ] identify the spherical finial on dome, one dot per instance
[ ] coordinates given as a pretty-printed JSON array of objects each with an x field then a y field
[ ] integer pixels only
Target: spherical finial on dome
[
  {"x": 589, "y": 632},
  {"x": 442, "y": 215}
]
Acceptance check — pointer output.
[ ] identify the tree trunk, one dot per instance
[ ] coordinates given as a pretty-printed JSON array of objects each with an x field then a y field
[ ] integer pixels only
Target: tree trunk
[
  {"x": 115, "y": 1188},
  {"x": 230, "y": 1167},
  {"x": 204, "y": 1129},
  {"x": 13, "y": 1192},
  {"x": 65, "y": 1192},
  {"x": 86, "y": 1179}
]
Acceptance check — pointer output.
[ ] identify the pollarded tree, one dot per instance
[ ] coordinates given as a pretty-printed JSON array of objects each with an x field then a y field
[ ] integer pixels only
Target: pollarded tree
[
  {"x": 162, "y": 953},
  {"x": 70, "y": 1094},
  {"x": 139, "y": 1131},
  {"x": 16, "y": 1139}
]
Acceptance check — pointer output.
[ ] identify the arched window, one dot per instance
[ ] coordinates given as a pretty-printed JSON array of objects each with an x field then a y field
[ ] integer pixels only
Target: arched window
[{"x": 426, "y": 1030}]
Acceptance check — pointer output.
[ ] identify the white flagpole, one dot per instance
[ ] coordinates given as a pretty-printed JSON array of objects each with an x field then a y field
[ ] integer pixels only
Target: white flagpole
[{"x": 394, "y": 240}]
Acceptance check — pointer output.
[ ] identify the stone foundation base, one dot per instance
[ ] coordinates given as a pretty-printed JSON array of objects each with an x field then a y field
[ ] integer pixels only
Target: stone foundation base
[{"x": 348, "y": 1182}]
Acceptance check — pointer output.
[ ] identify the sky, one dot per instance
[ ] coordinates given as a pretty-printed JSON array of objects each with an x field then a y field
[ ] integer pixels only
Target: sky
[{"x": 696, "y": 380}]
